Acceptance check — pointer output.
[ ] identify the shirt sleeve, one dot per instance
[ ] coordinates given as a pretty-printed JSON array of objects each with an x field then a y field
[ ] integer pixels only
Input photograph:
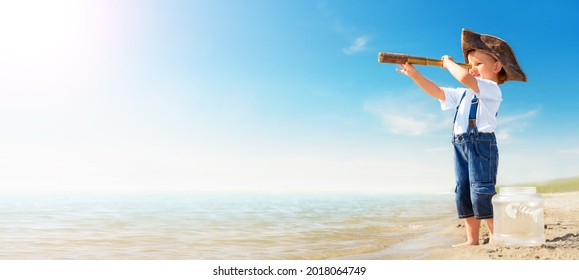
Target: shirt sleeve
[
  {"x": 451, "y": 98},
  {"x": 488, "y": 90}
]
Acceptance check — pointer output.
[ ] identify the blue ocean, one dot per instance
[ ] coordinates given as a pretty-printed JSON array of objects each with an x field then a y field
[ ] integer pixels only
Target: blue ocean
[{"x": 196, "y": 226}]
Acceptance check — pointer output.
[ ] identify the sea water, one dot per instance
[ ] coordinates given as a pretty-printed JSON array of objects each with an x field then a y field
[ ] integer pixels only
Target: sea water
[{"x": 211, "y": 226}]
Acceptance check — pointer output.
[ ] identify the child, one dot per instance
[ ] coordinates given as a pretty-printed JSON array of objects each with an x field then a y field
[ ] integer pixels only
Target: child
[{"x": 475, "y": 150}]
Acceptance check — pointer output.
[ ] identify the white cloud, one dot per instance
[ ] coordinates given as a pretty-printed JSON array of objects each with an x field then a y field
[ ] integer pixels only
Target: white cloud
[
  {"x": 357, "y": 46},
  {"x": 406, "y": 116},
  {"x": 503, "y": 135},
  {"x": 520, "y": 119},
  {"x": 343, "y": 29},
  {"x": 510, "y": 124},
  {"x": 405, "y": 124}
]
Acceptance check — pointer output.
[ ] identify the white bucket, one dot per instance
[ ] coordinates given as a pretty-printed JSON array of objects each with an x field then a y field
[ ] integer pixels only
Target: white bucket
[{"x": 518, "y": 217}]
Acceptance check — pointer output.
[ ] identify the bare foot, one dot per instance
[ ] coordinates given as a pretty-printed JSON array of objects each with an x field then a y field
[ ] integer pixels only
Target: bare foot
[{"x": 464, "y": 244}]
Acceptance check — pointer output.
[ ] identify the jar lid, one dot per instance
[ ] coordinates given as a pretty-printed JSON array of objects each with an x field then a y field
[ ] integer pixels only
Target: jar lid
[{"x": 517, "y": 190}]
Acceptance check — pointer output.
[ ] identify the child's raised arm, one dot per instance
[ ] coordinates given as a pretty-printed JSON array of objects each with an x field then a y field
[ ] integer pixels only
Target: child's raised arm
[
  {"x": 425, "y": 84},
  {"x": 459, "y": 73}
]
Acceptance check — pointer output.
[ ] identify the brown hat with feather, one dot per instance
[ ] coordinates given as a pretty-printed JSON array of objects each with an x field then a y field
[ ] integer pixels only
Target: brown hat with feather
[{"x": 497, "y": 48}]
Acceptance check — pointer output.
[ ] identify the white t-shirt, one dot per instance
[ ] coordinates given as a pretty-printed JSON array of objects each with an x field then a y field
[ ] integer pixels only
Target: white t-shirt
[{"x": 490, "y": 97}]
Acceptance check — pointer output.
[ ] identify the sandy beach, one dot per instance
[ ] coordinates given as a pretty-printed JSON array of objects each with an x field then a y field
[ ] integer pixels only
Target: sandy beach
[{"x": 561, "y": 234}]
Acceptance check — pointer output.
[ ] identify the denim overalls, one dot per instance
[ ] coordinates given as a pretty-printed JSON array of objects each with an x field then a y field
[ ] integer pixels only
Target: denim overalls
[{"x": 475, "y": 163}]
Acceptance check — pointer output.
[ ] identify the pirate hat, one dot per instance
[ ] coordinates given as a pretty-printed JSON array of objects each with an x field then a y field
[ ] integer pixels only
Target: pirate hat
[{"x": 497, "y": 48}]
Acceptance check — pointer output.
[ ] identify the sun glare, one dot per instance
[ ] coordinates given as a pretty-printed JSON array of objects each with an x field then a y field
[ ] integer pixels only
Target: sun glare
[
  {"x": 39, "y": 29},
  {"x": 46, "y": 40}
]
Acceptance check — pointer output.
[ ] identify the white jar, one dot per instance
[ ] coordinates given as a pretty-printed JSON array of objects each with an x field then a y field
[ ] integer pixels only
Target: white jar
[{"x": 518, "y": 217}]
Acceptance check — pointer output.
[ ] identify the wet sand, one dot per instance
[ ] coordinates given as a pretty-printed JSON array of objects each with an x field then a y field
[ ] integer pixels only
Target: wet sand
[{"x": 561, "y": 234}]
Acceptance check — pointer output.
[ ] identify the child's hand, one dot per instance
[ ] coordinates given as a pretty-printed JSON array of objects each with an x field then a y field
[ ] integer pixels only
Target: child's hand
[
  {"x": 408, "y": 70},
  {"x": 425, "y": 84},
  {"x": 444, "y": 59}
]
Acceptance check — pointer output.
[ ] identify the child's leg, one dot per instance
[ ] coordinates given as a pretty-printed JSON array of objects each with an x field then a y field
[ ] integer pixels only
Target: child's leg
[
  {"x": 491, "y": 229},
  {"x": 472, "y": 232},
  {"x": 463, "y": 192}
]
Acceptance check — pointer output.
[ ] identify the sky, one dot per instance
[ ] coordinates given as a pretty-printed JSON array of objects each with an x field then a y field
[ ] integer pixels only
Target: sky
[{"x": 268, "y": 96}]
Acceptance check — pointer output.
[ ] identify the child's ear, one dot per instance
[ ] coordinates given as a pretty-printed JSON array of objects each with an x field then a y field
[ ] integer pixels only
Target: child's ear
[{"x": 497, "y": 67}]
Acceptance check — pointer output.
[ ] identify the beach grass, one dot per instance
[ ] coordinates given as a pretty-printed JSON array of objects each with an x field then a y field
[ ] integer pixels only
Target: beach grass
[{"x": 554, "y": 186}]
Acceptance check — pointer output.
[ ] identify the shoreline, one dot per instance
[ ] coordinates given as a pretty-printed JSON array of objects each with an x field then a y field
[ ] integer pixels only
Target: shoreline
[{"x": 561, "y": 235}]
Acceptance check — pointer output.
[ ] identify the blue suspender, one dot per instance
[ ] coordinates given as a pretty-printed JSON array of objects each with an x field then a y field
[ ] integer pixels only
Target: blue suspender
[
  {"x": 472, "y": 113},
  {"x": 456, "y": 113}
]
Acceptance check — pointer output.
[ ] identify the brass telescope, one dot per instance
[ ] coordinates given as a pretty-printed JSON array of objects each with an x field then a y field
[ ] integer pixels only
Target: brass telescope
[{"x": 397, "y": 58}]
